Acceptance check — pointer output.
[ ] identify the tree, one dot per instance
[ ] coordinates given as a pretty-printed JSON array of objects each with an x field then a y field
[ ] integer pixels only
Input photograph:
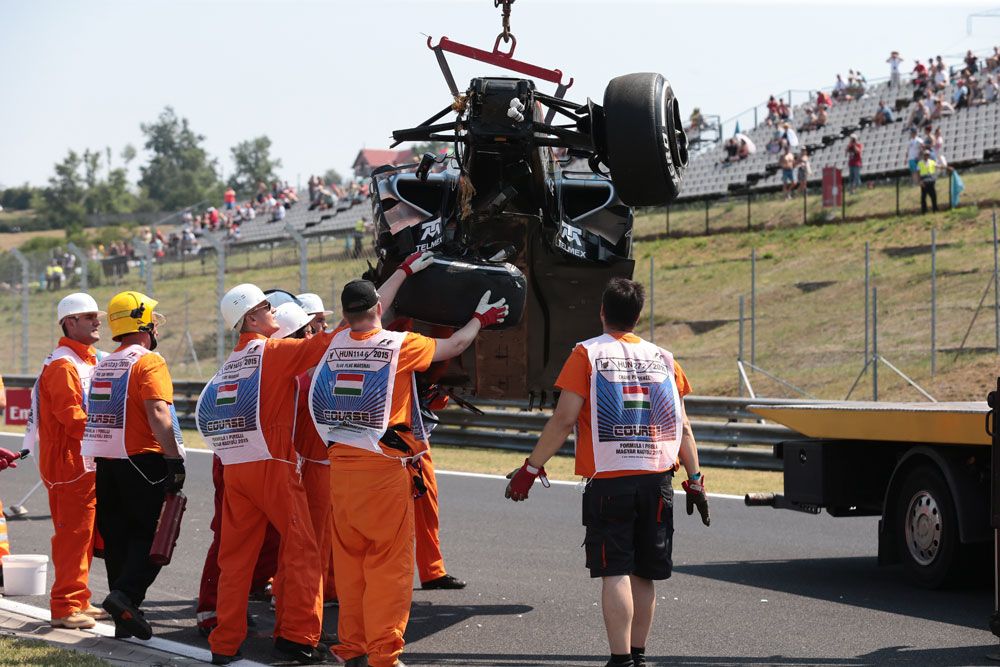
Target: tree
[
  {"x": 79, "y": 189},
  {"x": 17, "y": 199},
  {"x": 332, "y": 176},
  {"x": 436, "y": 147},
  {"x": 180, "y": 172},
  {"x": 253, "y": 163}
]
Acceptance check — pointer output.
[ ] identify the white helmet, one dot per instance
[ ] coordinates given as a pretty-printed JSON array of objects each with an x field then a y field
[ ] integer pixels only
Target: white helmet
[
  {"x": 238, "y": 302},
  {"x": 290, "y": 318},
  {"x": 313, "y": 304},
  {"x": 76, "y": 304}
]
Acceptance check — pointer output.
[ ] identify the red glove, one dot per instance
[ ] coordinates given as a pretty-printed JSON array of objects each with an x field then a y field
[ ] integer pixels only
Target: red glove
[
  {"x": 522, "y": 479},
  {"x": 8, "y": 459},
  {"x": 488, "y": 313},
  {"x": 695, "y": 490},
  {"x": 416, "y": 262}
]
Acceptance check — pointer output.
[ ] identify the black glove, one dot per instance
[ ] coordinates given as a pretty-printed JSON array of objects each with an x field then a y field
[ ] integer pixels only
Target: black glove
[
  {"x": 695, "y": 490},
  {"x": 174, "y": 481}
]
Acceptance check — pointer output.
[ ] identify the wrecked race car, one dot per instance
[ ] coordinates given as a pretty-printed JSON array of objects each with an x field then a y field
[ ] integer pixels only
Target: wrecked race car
[{"x": 505, "y": 212}]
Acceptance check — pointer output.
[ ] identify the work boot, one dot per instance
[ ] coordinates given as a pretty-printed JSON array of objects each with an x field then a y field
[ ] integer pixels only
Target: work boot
[
  {"x": 327, "y": 637},
  {"x": 358, "y": 661},
  {"x": 75, "y": 621},
  {"x": 304, "y": 654},
  {"x": 447, "y": 582},
  {"x": 96, "y": 613},
  {"x": 121, "y": 632},
  {"x": 220, "y": 659},
  {"x": 127, "y": 615}
]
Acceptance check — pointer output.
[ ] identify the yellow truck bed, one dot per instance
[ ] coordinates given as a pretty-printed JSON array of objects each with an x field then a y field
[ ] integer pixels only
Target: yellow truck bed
[{"x": 939, "y": 423}]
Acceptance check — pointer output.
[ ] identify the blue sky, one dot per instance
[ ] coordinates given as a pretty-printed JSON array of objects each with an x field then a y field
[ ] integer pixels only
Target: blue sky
[{"x": 323, "y": 79}]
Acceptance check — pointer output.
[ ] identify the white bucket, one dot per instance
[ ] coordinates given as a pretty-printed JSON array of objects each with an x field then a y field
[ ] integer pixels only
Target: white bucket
[{"x": 24, "y": 574}]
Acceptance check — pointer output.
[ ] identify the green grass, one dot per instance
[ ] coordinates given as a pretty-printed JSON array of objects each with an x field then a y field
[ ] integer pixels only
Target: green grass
[{"x": 35, "y": 653}]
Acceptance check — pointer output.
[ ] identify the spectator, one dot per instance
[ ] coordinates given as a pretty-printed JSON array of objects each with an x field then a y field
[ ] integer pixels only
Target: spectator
[
  {"x": 941, "y": 107},
  {"x": 919, "y": 116},
  {"x": 732, "y": 148},
  {"x": 975, "y": 92},
  {"x": 941, "y": 78},
  {"x": 884, "y": 115},
  {"x": 784, "y": 113},
  {"x": 53, "y": 275},
  {"x": 894, "y": 62},
  {"x": 774, "y": 143},
  {"x": 696, "y": 122},
  {"x": 991, "y": 91},
  {"x": 787, "y": 165},
  {"x": 927, "y": 169},
  {"x": 229, "y": 199},
  {"x": 278, "y": 211},
  {"x": 993, "y": 62},
  {"x": 913, "y": 152},
  {"x": 803, "y": 169},
  {"x": 971, "y": 62},
  {"x": 788, "y": 136},
  {"x": 747, "y": 146},
  {"x": 919, "y": 74},
  {"x": 937, "y": 148},
  {"x": 772, "y": 111},
  {"x": 839, "y": 89},
  {"x": 823, "y": 100},
  {"x": 854, "y": 150},
  {"x": 960, "y": 98},
  {"x": 821, "y": 117}
]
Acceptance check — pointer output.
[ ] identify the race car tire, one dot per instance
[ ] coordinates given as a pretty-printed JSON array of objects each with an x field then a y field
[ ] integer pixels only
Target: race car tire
[{"x": 646, "y": 146}]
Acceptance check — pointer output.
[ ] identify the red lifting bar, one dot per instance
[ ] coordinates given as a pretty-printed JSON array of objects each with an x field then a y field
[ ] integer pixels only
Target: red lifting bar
[{"x": 501, "y": 59}]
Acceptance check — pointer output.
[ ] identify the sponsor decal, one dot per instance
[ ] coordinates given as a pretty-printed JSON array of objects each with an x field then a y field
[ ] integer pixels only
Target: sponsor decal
[{"x": 349, "y": 384}]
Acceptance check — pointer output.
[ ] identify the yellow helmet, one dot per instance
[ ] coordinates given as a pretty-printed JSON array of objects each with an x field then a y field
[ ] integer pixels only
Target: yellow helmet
[{"x": 130, "y": 312}]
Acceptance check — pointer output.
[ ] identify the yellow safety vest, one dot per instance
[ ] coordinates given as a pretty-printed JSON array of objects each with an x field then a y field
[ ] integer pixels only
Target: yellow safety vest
[{"x": 926, "y": 168}]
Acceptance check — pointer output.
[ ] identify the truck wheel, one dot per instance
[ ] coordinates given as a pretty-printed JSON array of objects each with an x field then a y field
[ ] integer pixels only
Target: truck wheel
[
  {"x": 927, "y": 527},
  {"x": 646, "y": 145}
]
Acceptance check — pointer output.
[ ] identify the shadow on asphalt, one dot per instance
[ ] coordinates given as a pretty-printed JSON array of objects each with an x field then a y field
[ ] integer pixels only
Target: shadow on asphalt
[
  {"x": 860, "y": 582},
  {"x": 950, "y": 657}
]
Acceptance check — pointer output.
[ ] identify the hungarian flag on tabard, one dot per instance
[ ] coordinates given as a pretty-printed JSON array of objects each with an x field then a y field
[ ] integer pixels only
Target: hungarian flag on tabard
[
  {"x": 636, "y": 397},
  {"x": 100, "y": 390},
  {"x": 349, "y": 384},
  {"x": 226, "y": 394}
]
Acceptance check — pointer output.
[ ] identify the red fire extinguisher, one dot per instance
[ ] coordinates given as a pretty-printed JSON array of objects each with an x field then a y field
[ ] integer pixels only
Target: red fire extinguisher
[{"x": 168, "y": 528}]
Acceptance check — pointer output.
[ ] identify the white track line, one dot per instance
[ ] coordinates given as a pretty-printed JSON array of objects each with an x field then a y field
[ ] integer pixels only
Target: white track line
[
  {"x": 105, "y": 630},
  {"x": 559, "y": 482}
]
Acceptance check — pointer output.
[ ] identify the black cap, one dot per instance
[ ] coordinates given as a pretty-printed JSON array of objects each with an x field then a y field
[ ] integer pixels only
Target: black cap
[{"x": 358, "y": 296}]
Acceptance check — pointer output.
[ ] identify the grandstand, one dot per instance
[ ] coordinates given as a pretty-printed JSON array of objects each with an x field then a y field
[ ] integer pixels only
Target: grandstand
[
  {"x": 972, "y": 137},
  {"x": 309, "y": 223}
]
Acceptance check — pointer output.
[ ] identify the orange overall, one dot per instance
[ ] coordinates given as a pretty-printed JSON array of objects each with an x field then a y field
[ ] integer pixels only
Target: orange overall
[
  {"x": 373, "y": 527},
  {"x": 72, "y": 491},
  {"x": 316, "y": 479},
  {"x": 259, "y": 492}
]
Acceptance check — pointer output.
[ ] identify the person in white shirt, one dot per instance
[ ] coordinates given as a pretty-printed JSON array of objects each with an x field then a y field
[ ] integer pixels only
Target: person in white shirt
[
  {"x": 913, "y": 152},
  {"x": 894, "y": 62}
]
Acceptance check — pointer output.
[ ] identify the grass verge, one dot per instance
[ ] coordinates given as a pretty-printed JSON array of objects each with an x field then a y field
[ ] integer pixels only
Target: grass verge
[{"x": 18, "y": 651}]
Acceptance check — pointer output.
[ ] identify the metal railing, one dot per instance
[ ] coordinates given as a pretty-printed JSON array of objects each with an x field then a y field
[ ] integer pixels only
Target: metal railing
[{"x": 728, "y": 434}]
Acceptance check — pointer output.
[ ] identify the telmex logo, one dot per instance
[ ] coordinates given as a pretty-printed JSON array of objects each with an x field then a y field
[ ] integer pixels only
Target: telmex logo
[
  {"x": 572, "y": 235},
  {"x": 430, "y": 229}
]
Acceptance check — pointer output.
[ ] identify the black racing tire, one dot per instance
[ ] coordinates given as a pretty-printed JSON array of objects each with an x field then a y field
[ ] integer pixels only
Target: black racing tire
[
  {"x": 647, "y": 149},
  {"x": 927, "y": 528}
]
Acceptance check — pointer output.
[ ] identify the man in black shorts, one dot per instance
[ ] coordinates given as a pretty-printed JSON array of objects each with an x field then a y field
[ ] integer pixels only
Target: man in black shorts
[{"x": 624, "y": 396}]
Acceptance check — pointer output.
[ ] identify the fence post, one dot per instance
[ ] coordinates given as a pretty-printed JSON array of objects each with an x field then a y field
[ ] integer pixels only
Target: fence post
[
  {"x": 668, "y": 219},
  {"x": 843, "y": 202},
  {"x": 84, "y": 268},
  {"x": 897, "y": 196},
  {"x": 739, "y": 354},
  {"x": 652, "y": 300},
  {"x": 996, "y": 286},
  {"x": 220, "y": 291},
  {"x": 805, "y": 203},
  {"x": 706, "y": 217},
  {"x": 25, "y": 297},
  {"x": 753, "y": 306},
  {"x": 143, "y": 250},
  {"x": 303, "y": 257},
  {"x": 867, "y": 292},
  {"x": 875, "y": 344},
  {"x": 933, "y": 301}
]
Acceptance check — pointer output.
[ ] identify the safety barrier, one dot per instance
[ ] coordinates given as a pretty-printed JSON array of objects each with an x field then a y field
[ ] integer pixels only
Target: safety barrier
[{"x": 728, "y": 434}]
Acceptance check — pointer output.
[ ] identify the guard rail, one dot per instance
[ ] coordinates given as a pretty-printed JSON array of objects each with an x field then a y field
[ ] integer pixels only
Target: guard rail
[{"x": 728, "y": 434}]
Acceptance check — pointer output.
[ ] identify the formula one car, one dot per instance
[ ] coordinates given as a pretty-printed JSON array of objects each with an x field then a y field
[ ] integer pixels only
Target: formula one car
[{"x": 503, "y": 213}]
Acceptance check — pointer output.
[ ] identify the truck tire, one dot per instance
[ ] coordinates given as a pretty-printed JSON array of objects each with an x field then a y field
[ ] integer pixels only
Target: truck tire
[
  {"x": 927, "y": 528},
  {"x": 647, "y": 149}
]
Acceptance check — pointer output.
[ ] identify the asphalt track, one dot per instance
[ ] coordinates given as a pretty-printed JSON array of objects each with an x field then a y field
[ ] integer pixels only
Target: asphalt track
[{"x": 759, "y": 587}]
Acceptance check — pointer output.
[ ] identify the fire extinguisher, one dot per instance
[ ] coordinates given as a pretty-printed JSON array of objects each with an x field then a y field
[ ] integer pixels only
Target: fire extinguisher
[{"x": 168, "y": 529}]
